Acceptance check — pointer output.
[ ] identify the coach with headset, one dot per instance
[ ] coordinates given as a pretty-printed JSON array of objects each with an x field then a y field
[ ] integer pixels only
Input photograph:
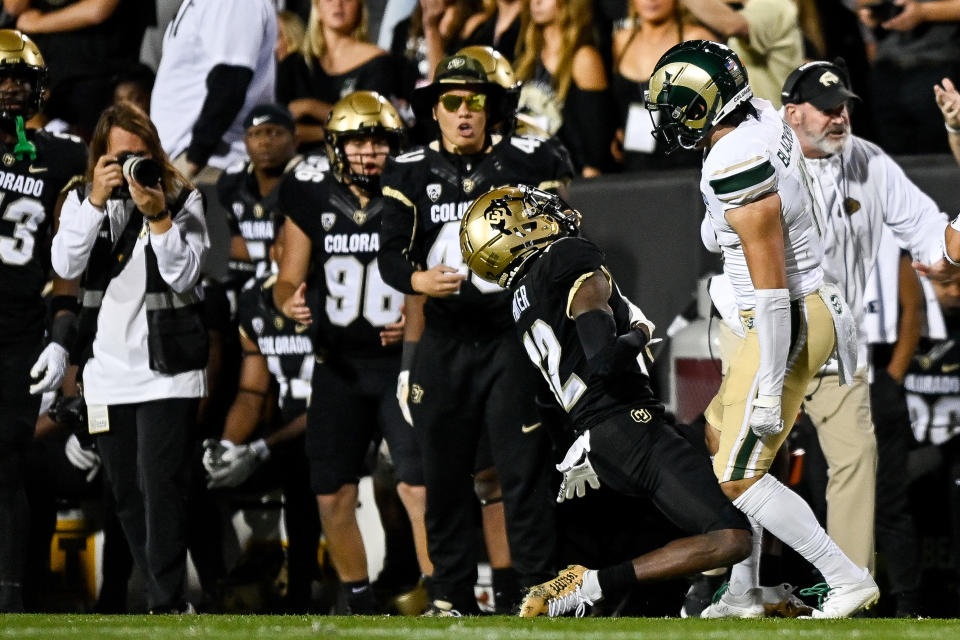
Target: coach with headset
[{"x": 860, "y": 190}]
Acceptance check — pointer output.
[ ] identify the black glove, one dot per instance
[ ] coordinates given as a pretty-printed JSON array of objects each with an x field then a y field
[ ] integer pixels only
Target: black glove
[{"x": 621, "y": 354}]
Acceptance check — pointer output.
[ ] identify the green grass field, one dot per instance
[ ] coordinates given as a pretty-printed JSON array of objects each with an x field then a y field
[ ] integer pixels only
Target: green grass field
[{"x": 85, "y": 627}]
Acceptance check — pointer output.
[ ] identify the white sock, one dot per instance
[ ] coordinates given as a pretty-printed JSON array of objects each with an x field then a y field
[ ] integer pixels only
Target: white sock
[
  {"x": 788, "y": 516},
  {"x": 591, "y": 586},
  {"x": 745, "y": 575}
]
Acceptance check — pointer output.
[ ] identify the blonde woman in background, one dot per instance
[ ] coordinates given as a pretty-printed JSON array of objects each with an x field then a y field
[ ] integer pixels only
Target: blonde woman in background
[
  {"x": 335, "y": 60},
  {"x": 290, "y": 34},
  {"x": 653, "y": 26},
  {"x": 565, "y": 85}
]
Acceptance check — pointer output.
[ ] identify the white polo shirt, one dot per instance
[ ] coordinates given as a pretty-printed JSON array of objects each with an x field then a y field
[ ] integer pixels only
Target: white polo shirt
[{"x": 203, "y": 34}]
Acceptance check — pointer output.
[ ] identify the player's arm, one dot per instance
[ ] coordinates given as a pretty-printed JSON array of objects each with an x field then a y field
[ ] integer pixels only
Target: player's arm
[
  {"x": 758, "y": 224},
  {"x": 289, "y": 431},
  {"x": 913, "y": 314},
  {"x": 79, "y": 15},
  {"x": 396, "y": 244},
  {"x": 252, "y": 389},
  {"x": 607, "y": 353},
  {"x": 289, "y": 292}
]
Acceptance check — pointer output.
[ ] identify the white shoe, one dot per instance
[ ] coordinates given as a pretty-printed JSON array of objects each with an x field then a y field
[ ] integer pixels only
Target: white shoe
[
  {"x": 728, "y": 605},
  {"x": 845, "y": 600}
]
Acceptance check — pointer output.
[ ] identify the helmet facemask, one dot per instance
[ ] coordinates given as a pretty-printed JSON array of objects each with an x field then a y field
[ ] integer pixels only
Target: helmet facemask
[
  {"x": 506, "y": 227},
  {"x": 362, "y": 114},
  {"x": 342, "y": 167}
]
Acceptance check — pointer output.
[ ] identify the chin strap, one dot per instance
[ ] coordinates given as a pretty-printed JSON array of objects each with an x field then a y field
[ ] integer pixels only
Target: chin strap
[{"x": 24, "y": 147}]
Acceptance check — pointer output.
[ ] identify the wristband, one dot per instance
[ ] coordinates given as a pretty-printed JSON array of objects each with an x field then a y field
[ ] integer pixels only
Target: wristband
[
  {"x": 949, "y": 128},
  {"x": 946, "y": 256},
  {"x": 158, "y": 217}
]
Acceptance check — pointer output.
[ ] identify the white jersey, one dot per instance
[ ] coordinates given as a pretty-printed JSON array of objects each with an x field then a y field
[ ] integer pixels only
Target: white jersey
[
  {"x": 760, "y": 157},
  {"x": 204, "y": 34}
]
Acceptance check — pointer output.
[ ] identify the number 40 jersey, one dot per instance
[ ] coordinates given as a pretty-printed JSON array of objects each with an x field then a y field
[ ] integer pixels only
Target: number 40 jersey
[
  {"x": 355, "y": 303},
  {"x": 28, "y": 195}
]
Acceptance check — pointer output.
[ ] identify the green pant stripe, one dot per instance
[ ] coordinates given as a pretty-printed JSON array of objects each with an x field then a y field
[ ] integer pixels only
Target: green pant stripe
[{"x": 743, "y": 456}]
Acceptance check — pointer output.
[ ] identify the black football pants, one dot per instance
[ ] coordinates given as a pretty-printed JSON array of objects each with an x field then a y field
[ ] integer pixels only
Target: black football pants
[{"x": 459, "y": 391}]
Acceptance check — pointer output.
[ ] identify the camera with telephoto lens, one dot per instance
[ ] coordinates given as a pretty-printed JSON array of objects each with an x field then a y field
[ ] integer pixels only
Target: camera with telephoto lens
[{"x": 143, "y": 170}]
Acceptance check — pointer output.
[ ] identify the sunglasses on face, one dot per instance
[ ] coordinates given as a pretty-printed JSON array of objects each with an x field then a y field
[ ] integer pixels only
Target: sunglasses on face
[{"x": 452, "y": 102}]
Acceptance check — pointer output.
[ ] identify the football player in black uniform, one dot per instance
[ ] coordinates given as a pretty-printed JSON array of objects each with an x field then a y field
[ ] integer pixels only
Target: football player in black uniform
[
  {"x": 467, "y": 382},
  {"x": 333, "y": 225},
  {"x": 585, "y": 338},
  {"x": 248, "y": 190},
  {"x": 262, "y": 445},
  {"x": 34, "y": 167}
]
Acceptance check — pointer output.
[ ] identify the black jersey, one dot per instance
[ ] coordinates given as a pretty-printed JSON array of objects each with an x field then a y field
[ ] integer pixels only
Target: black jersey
[
  {"x": 284, "y": 343},
  {"x": 28, "y": 197},
  {"x": 932, "y": 384},
  {"x": 249, "y": 216},
  {"x": 354, "y": 302},
  {"x": 539, "y": 306},
  {"x": 426, "y": 194}
]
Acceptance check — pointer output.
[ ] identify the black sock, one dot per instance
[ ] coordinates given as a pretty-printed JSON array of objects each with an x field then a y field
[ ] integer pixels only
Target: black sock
[
  {"x": 506, "y": 588},
  {"x": 359, "y": 597},
  {"x": 617, "y": 579}
]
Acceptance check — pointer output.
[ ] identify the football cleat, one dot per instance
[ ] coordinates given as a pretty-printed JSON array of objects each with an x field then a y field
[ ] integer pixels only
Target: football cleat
[
  {"x": 844, "y": 600},
  {"x": 728, "y": 605},
  {"x": 441, "y": 609},
  {"x": 560, "y": 596},
  {"x": 780, "y": 602},
  {"x": 700, "y": 594}
]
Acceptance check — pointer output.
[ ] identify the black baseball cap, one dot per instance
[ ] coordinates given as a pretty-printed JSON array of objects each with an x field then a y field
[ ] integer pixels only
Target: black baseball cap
[
  {"x": 269, "y": 113},
  {"x": 823, "y": 84}
]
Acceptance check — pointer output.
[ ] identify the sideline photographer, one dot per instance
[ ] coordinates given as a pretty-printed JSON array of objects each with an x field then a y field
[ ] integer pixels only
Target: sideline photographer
[{"x": 140, "y": 248}]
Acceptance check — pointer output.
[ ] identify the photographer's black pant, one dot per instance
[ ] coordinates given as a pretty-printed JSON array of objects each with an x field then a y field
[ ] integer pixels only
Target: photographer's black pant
[
  {"x": 145, "y": 455},
  {"x": 460, "y": 391}
]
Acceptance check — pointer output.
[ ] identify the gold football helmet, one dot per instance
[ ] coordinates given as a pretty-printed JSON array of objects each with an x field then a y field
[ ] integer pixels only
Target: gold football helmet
[
  {"x": 21, "y": 58},
  {"x": 497, "y": 67},
  {"x": 508, "y": 225},
  {"x": 361, "y": 113}
]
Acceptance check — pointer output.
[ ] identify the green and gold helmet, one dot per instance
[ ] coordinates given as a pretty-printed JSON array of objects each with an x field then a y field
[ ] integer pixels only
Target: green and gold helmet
[
  {"x": 508, "y": 225},
  {"x": 694, "y": 86},
  {"x": 361, "y": 114},
  {"x": 21, "y": 58}
]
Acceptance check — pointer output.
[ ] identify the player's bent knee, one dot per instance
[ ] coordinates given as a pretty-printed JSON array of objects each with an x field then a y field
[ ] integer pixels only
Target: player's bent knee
[
  {"x": 733, "y": 545},
  {"x": 343, "y": 500},
  {"x": 486, "y": 484}
]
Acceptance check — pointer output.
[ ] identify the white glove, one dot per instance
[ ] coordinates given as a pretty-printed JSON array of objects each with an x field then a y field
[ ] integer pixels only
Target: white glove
[
  {"x": 765, "y": 418},
  {"x": 239, "y": 463},
  {"x": 577, "y": 470},
  {"x": 52, "y": 365},
  {"x": 213, "y": 451},
  {"x": 83, "y": 459},
  {"x": 403, "y": 395}
]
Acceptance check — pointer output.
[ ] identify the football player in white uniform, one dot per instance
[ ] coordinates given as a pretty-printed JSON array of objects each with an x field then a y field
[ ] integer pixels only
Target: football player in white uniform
[{"x": 755, "y": 188}]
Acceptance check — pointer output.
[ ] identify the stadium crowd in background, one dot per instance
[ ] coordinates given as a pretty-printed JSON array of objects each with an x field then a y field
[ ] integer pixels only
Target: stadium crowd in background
[{"x": 205, "y": 403}]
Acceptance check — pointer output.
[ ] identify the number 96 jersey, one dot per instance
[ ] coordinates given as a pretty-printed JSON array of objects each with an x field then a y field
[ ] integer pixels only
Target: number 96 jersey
[
  {"x": 355, "y": 303},
  {"x": 28, "y": 197}
]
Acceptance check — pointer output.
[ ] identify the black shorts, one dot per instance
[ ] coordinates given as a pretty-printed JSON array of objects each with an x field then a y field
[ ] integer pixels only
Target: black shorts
[
  {"x": 652, "y": 459},
  {"x": 18, "y": 408},
  {"x": 348, "y": 411}
]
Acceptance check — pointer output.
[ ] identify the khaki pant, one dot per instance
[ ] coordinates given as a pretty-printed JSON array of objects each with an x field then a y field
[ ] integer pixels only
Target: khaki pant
[
  {"x": 845, "y": 430},
  {"x": 741, "y": 454}
]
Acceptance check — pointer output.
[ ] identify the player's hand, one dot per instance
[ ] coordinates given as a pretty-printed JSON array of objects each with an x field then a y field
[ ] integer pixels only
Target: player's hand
[
  {"x": 392, "y": 333},
  {"x": 948, "y": 99},
  {"x": 238, "y": 464},
  {"x": 50, "y": 367},
  {"x": 941, "y": 270},
  {"x": 432, "y": 12},
  {"x": 107, "y": 176},
  {"x": 439, "y": 281},
  {"x": 295, "y": 307},
  {"x": 84, "y": 459},
  {"x": 577, "y": 471},
  {"x": 213, "y": 451},
  {"x": 765, "y": 417},
  {"x": 403, "y": 395}
]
